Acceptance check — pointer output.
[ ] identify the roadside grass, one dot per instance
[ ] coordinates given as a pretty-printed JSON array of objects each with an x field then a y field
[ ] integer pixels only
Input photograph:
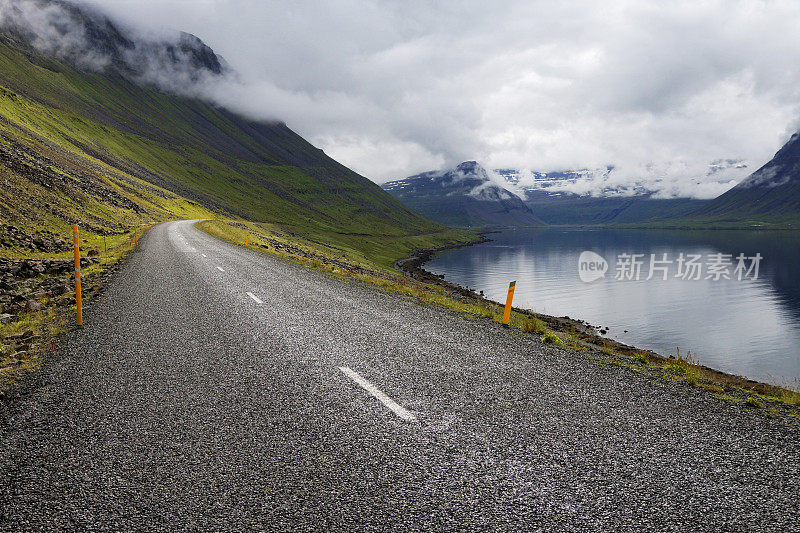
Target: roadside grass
[
  {"x": 533, "y": 325},
  {"x": 727, "y": 397},
  {"x": 752, "y": 402},
  {"x": 19, "y": 356},
  {"x": 573, "y": 340},
  {"x": 723, "y": 386},
  {"x": 607, "y": 348},
  {"x": 551, "y": 338}
]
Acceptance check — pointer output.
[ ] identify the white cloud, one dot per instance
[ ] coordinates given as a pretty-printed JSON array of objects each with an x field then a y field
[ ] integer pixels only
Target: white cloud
[{"x": 394, "y": 88}]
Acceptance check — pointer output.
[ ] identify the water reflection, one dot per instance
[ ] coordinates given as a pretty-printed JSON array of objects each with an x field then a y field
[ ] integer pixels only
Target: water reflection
[{"x": 749, "y": 327}]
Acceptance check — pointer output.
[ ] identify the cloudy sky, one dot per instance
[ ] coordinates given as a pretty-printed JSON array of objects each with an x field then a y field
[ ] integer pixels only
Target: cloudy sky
[{"x": 392, "y": 88}]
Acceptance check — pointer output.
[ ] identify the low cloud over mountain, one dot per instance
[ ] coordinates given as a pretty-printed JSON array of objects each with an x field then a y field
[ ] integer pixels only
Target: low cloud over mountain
[{"x": 86, "y": 38}]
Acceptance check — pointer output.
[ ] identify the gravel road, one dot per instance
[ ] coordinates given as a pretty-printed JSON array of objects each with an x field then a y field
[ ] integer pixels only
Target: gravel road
[{"x": 316, "y": 404}]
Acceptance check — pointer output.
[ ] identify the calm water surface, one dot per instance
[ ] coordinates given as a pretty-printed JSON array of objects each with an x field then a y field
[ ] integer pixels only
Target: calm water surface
[{"x": 748, "y": 327}]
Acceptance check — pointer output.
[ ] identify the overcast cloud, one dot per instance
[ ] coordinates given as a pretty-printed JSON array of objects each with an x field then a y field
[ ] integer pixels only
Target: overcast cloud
[{"x": 396, "y": 88}]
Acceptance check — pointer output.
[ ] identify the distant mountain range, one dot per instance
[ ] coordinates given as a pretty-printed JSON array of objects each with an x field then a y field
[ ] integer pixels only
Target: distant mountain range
[
  {"x": 464, "y": 196},
  {"x": 469, "y": 196},
  {"x": 769, "y": 197}
]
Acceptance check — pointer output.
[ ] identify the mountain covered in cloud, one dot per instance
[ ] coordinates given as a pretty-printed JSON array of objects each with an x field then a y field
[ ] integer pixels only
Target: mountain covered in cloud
[
  {"x": 88, "y": 40},
  {"x": 771, "y": 194},
  {"x": 598, "y": 196},
  {"x": 609, "y": 182},
  {"x": 464, "y": 196}
]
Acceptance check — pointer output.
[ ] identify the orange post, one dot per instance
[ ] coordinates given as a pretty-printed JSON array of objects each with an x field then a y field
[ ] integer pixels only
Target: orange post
[
  {"x": 509, "y": 299},
  {"x": 247, "y": 240},
  {"x": 78, "y": 299}
]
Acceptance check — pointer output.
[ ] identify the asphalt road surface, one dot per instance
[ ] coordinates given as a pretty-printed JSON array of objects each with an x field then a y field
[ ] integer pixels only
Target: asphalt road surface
[{"x": 215, "y": 388}]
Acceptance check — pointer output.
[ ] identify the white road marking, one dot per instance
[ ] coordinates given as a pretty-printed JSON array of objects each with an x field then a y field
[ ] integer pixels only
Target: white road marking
[
  {"x": 221, "y": 269},
  {"x": 385, "y": 400},
  {"x": 204, "y": 255},
  {"x": 255, "y": 298}
]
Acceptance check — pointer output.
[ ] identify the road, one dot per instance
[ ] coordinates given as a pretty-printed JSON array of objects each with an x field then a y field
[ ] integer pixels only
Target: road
[{"x": 215, "y": 388}]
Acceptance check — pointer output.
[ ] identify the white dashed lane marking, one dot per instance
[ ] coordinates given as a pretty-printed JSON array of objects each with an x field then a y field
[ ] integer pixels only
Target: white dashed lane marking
[
  {"x": 385, "y": 400},
  {"x": 255, "y": 298},
  {"x": 221, "y": 269}
]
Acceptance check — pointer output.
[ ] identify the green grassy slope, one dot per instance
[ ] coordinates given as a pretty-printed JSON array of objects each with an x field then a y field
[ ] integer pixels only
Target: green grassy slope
[{"x": 170, "y": 157}]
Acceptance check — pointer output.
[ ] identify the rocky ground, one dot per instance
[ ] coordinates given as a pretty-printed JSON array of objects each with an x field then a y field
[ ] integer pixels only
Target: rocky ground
[
  {"x": 34, "y": 298},
  {"x": 42, "y": 241}
]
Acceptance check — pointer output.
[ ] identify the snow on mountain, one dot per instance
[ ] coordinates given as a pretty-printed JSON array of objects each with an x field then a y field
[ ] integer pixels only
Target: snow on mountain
[{"x": 610, "y": 182}]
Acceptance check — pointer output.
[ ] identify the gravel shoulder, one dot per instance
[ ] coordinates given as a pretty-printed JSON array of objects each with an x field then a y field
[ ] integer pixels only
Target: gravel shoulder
[{"x": 186, "y": 404}]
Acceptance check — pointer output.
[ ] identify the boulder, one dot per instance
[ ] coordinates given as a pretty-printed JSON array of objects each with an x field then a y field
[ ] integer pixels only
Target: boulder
[
  {"x": 93, "y": 253},
  {"x": 5, "y": 318},
  {"x": 20, "y": 336},
  {"x": 32, "y": 306},
  {"x": 58, "y": 290}
]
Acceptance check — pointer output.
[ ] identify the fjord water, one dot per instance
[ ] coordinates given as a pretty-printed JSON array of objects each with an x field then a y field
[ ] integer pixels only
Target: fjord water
[{"x": 748, "y": 327}]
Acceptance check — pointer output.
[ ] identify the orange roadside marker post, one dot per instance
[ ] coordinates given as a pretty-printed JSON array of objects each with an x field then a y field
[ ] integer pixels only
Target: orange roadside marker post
[
  {"x": 509, "y": 299},
  {"x": 78, "y": 299},
  {"x": 247, "y": 240}
]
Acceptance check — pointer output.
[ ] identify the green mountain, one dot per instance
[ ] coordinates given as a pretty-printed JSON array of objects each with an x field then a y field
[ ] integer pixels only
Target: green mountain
[
  {"x": 107, "y": 144},
  {"x": 770, "y": 196}
]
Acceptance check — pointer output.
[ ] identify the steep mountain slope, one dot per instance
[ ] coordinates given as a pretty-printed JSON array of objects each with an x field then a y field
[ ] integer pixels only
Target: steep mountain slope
[
  {"x": 464, "y": 196},
  {"x": 105, "y": 145},
  {"x": 770, "y": 195}
]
